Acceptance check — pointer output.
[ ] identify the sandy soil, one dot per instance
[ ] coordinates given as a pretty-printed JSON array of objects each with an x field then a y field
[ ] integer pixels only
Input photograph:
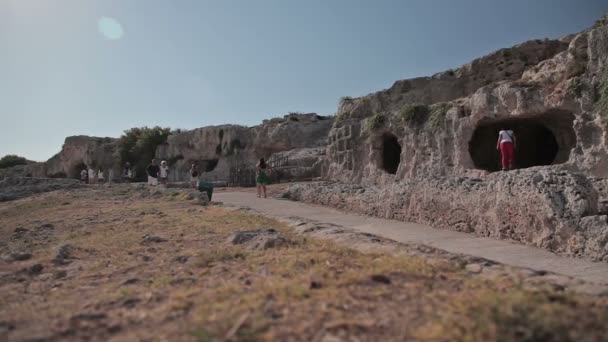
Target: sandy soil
[{"x": 126, "y": 264}]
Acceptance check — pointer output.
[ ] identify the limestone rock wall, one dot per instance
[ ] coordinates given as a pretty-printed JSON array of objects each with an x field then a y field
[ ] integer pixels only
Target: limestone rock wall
[
  {"x": 424, "y": 150},
  {"x": 215, "y": 149},
  {"x": 554, "y": 83},
  {"x": 561, "y": 211},
  {"x": 76, "y": 152}
]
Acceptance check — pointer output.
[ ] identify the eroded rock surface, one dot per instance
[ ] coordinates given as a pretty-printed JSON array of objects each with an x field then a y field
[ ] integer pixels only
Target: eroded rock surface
[{"x": 556, "y": 210}]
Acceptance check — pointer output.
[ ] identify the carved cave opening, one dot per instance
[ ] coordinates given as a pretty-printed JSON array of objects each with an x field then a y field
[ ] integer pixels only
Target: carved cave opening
[
  {"x": 209, "y": 165},
  {"x": 391, "y": 153},
  {"x": 75, "y": 172},
  {"x": 541, "y": 140}
]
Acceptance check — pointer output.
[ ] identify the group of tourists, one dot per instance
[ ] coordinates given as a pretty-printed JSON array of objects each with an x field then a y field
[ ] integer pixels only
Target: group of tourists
[
  {"x": 160, "y": 173},
  {"x": 157, "y": 173},
  {"x": 91, "y": 175}
]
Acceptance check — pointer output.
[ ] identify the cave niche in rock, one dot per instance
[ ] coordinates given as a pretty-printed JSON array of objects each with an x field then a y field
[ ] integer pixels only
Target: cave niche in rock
[
  {"x": 209, "y": 165},
  {"x": 544, "y": 139},
  {"x": 391, "y": 153},
  {"x": 77, "y": 169}
]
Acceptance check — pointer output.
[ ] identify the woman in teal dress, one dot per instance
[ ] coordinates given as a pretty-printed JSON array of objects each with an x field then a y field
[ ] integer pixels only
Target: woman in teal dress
[{"x": 261, "y": 177}]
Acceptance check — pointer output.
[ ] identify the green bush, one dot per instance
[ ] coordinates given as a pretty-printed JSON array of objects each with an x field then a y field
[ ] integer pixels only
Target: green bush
[
  {"x": 414, "y": 114},
  {"x": 11, "y": 160},
  {"x": 138, "y": 147},
  {"x": 376, "y": 121},
  {"x": 437, "y": 116},
  {"x": 277, "y": 120},
  {"x": 346, "y": 98}
]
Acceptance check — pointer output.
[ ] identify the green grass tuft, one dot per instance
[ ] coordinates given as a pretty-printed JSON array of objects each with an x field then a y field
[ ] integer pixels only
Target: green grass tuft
[
  {"x": 414, "y": 114},
  {"x": 575, "y": 87},
  {"x": 377, "y": 121},
  {"x": 437, "y": 117}
]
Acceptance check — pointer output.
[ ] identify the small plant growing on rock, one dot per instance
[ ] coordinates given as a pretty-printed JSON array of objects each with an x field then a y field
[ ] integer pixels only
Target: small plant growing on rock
[
  {"x": 414, "y": 114},
  {"x": 603, "y": 21},
  {"x": 277, "y": 120},
  {"x": 575, "y": 87},
  {"x": 601, "y": 106},
  {"x": 437, "y": 116},
  {"x": 344, "y": 100},
  {"x": 377, "y": 121},
  {"x": 506, "y": 53}
]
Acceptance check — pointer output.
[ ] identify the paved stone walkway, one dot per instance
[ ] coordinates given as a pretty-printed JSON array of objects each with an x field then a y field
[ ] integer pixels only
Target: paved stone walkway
[{"x": 497, "y": 250}]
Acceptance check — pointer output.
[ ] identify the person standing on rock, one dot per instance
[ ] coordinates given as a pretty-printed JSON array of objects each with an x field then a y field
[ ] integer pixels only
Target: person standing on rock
[
  {"x": 164, "y": 172},
  {"x": 153, "y": 171},
  {"x": 506, "y": 145},
  {"x": 261, "y": 178},
  {"x": 193, "y": 175}
]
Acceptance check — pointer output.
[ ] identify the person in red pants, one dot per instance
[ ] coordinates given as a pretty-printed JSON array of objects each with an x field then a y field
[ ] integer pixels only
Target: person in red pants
[{"x": 506, "y": 145}]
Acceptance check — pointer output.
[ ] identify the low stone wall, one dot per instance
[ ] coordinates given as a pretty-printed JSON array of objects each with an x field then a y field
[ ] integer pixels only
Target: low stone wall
[{"x": 560, "y": 211}]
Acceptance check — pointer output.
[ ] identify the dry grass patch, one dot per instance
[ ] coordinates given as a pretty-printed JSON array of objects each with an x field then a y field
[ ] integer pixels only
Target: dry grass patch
[{"x": 193, "y": 284}]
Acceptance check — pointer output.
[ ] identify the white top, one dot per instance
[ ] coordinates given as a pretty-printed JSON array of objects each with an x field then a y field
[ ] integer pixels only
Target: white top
[
  {"x": 100, "y": 175},
  {"x": 164, "y": 170},
  {"x": 505, "y": 135},
  {"x": 92, "y": 173}
]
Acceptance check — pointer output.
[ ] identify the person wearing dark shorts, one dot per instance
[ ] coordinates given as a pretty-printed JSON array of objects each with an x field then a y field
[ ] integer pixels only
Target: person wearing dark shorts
[{"x": 261, "y": 178}]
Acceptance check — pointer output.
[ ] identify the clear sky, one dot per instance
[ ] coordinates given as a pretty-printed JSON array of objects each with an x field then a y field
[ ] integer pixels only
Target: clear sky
[{"x": 97, "y": 67}]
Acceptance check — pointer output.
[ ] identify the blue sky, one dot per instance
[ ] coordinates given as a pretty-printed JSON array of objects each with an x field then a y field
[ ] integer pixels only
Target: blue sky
[{"x": 192, "y": 63}]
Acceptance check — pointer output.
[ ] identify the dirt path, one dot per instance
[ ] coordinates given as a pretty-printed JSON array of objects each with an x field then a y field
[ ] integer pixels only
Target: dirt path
[{"x": 497, "y": 250}]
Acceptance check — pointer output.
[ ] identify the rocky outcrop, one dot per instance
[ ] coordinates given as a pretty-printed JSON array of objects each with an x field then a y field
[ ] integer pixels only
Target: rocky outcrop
[
  {"x": 215, "y": 149},
  {"x": 424, "y": 150},
  {"x": 560, "y": 211},
  {"x": 79, "y": 152},
  {"x": 547, "y": 91}
]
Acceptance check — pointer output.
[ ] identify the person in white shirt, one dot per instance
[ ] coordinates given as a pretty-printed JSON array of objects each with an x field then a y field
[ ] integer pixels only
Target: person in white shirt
[
  {"x": 100, "y": 176},
  {"x": 164, "y": 172},
  {"x": 84, "y": 176},
  {"x": 506, "y": 145}
]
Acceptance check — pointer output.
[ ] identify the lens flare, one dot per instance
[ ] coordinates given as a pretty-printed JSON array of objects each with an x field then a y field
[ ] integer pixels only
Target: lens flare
[{"x": 110, "y": 28}]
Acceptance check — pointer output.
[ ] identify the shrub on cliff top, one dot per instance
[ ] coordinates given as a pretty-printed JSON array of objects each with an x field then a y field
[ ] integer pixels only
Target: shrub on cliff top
[
  {"x": 11, "y": 160},
  {"x": 138, "y": 146}
]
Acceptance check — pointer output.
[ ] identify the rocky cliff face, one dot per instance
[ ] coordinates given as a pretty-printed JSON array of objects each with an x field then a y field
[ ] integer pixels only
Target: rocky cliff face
[
  {"x": 78, "y": 152},
  {"x": 215, "y": 149},
  {"x": 424, "y": 150},
  {"x": 546, "y": 91}
]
